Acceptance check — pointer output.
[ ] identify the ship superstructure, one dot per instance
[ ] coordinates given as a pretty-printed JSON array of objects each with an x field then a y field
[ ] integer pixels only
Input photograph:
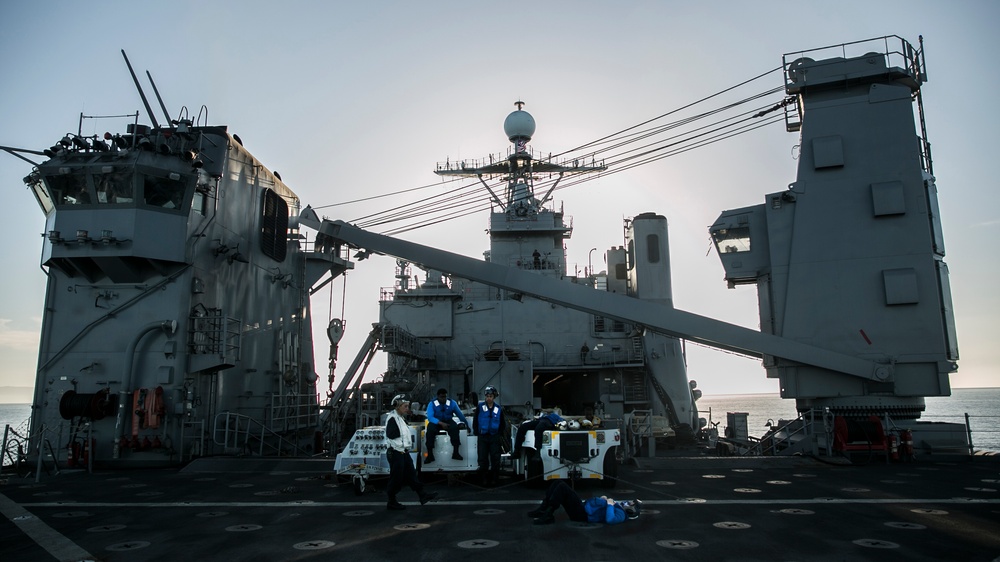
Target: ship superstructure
[
  {"x": 854, "y": 297},
  {"x": 465, "y": 333},
  {"x": 850, "y": 256},
  {"x": 537, "y": 355},
  {"x": 177, "y": 320},
  {"x": 177, "y": 314}
]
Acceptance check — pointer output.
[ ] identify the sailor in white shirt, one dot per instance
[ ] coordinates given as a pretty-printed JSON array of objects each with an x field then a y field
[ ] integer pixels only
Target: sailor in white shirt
[{"x": 401, "y": 470}]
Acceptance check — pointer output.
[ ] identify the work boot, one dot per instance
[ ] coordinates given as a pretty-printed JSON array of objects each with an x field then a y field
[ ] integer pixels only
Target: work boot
[
  {"x": 457, "y": 456},
  {"x": 546, "y": 518},
  {"x": 430, "y": 496},
  {"x": 395, "y": 505},
  {"x": 538, "y": 511},
  {"x": 430, "y": 457}
]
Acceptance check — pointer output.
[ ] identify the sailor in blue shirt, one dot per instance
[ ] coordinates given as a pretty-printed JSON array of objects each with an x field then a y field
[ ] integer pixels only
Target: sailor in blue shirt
[
  {"x": 488, "y": 425},
  {"x": 544, "y": 422},
  {"x": 439, "y": 418},
  {"x": 594, "y": 510}
]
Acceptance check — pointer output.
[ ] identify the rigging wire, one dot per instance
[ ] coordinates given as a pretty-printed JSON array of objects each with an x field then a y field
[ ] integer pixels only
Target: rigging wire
[
  {"x": 706, "y": 137},
  {"x": 679, "y": 150},
  {"x": 373, "y": 197},
  {"x": 443, "y": 213},
  {"x": 619, "y": 151},
  {"x": 683, "y": 107}
]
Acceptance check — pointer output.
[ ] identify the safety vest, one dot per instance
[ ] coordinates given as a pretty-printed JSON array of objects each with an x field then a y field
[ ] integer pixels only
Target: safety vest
[
  {"x": 437, "y": 411},
  {"x": 488, "y": 418},
  {"x": 405, "y": 440}
]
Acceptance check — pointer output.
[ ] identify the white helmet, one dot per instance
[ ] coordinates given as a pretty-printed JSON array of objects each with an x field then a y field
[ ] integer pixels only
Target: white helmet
[
  {"x": 574, "y": 425},
  {"x": 562, "y": 425},
  {"x": 586, "y": 423}
]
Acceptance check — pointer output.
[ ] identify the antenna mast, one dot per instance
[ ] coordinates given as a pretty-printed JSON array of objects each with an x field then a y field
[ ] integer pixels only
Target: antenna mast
[{"x": 142, "y": 94}]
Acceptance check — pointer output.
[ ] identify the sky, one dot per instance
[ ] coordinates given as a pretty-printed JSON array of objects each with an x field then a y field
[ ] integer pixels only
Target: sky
[{"x": 351, "y": 100}]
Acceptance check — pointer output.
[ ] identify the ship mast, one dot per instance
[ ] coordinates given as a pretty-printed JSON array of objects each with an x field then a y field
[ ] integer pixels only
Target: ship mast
[{"x": 519, "y": 169}]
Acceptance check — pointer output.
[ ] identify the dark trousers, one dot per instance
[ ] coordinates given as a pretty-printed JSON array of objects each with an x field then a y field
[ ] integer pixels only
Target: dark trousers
[
  {"x": 541, "y": 425},
  {"x": 401, "y": 471},
  {"x": 489, "y": 454},
  {"x": 559, "y": 494},
  {"x": 433, "y": 429}
]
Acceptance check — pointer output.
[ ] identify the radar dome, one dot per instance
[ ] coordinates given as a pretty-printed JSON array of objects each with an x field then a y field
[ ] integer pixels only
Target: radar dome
[{"x": 519, "y": 125}]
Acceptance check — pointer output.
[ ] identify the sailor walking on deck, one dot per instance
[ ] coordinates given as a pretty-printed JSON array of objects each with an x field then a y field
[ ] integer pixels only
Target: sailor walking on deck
[{"x": 401, "y": 470}]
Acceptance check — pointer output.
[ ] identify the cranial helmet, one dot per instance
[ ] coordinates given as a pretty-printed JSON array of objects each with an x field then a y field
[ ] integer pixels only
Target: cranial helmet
[
  {"x": 398, "y": 399},
  {"x": 491, "y": 390},
  {"x": 574, "y": 425},
  {"x": 563, "y": 425},
  {"x": 632, "y": 508}
]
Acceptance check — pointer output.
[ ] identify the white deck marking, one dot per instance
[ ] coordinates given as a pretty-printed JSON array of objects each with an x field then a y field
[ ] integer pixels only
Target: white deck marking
[{"x": 48, "y": 538}]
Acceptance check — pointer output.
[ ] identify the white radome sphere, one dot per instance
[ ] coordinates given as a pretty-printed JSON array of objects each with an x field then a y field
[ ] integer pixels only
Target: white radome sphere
[{"x": 519, "y": 124}]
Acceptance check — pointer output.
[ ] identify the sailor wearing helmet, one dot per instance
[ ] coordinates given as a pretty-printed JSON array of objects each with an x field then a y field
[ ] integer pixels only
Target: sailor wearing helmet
[
  {"x": 488, "y": 424},
  {"x": 594, "y": 510},
  {"x": 401, "y": 470}
]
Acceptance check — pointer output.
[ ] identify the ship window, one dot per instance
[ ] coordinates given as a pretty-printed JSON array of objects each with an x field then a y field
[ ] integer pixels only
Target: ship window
[
  {"x": 732, "y": 240},
  {"x": 621, "y": 273},
  {"x": 114, "y": 187},
  {"x": 653, "y": 248},
  {"x": 41, "y": 193},
  {"x": 166, "y": 193},
  {"x": 198, "y": 203},
  {"x": 69, "y": 189},
  {"x": 273, "y": 225}
]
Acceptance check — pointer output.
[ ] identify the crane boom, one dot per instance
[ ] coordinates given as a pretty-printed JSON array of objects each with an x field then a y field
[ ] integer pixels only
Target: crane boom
[{"x": 654, "y": 316}]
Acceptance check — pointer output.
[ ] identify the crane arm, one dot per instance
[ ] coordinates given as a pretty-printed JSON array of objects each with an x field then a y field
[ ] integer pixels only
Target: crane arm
[{"x": 654, "y": 316}]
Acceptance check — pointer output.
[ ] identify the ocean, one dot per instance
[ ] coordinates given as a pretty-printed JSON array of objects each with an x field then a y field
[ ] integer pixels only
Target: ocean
[{"x": 981, "y": 404}]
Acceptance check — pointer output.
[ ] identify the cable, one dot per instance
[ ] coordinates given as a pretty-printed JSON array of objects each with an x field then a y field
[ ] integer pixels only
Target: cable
[{"x": 620, "y": 151}]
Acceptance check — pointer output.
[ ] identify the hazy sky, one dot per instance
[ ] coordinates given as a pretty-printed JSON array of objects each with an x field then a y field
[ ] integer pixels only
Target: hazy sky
[{"x": 355, "y": 99}]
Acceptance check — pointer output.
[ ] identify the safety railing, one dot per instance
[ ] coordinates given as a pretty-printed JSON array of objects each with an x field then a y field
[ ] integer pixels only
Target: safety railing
[
  {"x": 20, "y": 447},
  {"x": 14, "y": 449},
  {"x": 981, "y": 429},
  {"x": 239, "y": 433},
  {"x": 290, "y": 412}
]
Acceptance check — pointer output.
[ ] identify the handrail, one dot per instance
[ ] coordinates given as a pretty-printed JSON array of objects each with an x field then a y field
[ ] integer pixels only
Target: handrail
[
  {"x": 811, "y": 420},
  {"x": 12, "y": 439},
  {"x": 769, "y": 444},
  {"x": 234, "y": 430}
]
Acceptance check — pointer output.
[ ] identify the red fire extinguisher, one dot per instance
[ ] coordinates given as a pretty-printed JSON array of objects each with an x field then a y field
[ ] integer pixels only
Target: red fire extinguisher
[
  {"x": 73, "y": 454},
  {"x": 907, "y": 439}
]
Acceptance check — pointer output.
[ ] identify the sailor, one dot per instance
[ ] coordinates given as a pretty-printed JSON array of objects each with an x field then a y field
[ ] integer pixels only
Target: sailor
[
  {"x": 487, "y": 425},
  {"x": 544, "y": 422},
  {"x": 594, "y": 510},
  {"x": 591, "y": 417},
  {"x": 401, "y": 470},
  {"x": 440, "y": 414}
]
